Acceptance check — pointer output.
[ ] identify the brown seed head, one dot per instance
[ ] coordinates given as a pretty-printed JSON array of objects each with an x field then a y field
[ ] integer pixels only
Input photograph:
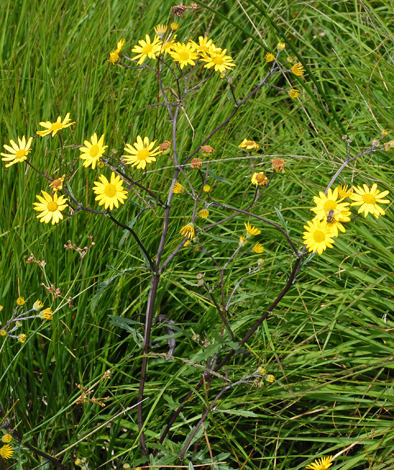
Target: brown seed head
[
  {"x": 179, "y": 10},
  {"x": 194, "y": 6},
  {"x": 207, "y": 149},
  {"x": 278, "y": 164},
  {"x": 165, "y": 145},
  {"x": 196, "y": 163}
]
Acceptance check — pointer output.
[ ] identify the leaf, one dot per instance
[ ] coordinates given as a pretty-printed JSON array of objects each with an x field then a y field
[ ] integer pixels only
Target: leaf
[
  {"x": 283, "y": 221},
  {"x": 219, "y": 178},
  {"x": 246, "y": 414}
]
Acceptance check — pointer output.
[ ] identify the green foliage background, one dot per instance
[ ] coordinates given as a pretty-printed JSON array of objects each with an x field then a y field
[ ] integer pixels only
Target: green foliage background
[{"x": 329, "y": 343}]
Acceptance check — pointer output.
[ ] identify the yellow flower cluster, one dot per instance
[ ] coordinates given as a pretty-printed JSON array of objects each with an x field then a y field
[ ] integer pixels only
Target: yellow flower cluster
[
  {"x": 331, "y": 212},
  {"x": 251, "y": 232}
]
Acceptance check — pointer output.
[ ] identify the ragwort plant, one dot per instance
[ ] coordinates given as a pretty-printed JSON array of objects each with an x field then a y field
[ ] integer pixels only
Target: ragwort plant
[{"x": 177, "y": 66}]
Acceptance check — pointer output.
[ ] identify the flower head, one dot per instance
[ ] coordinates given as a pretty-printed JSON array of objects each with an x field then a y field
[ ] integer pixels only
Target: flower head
[
  {"x": 110, "y": 193},
  {"x": 92, "y": 151},
  {"x": 204, "y": 45},
  {"x": 270, "y": 378},
  {"x": 184, "y": 54},
  {"x": 46, "y": 314},
  {"x": 3, "y": 333},
  {"x": 294, "y": 93},
  {"x": 298, "y": 69},
  {"x": 146, "y": 49},
  {"x": 20, "y": 301},
  {"x": 334, "y": 219},
  {"x": 57, "y": 185},
  {"x": 18, "y": 153},
  {"x": 252, "y": 230},
  {"x": 320, "y": 464},
  {"x": 55, "y": 127},
  {"x": 50, "y": 208},
  {"x": 196, "y": 163},
  {"x": 368, "y": 199},
  {"x": 114, "y": 55},
  {"x": 178, "y": 188},
  {"x": 343, "y": 192},
  {"x": 22, "y": 338},
  {"x": 258, "y": 248},
  {"x": 278, "y": 164},
  {"x": 6, "y": 451},
  {"x": 325, "y": 204},
  {"x": 142, "y": 153},
  {"x": 188, "y": 231},
  {"x": 242, "y": 241},
  {"x": 281, "y": 46},
  {"x": 38, "y": 305},
  {"x": 206, "y": 188},
  {"x": 6, "y": 438},
  {"x": 218, "y": 59},
  {"x": 204, "y": 213},
  {"x": 269, "y": 57},
  {"x": 160, "y": 30},
  {"x": 206, "y": 150},
  {"x": 317, "y": 236},
  {"x": 249, "y": 145},
  {"x": 165, "y": 147},
  {"x": 174, "y": 26},
  {"x": 259, "y": 179}
]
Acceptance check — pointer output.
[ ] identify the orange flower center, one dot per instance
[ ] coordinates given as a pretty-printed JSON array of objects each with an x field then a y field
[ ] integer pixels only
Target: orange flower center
[
  {"x": 20, "y": 153},
  {"x": 147, "y": 49},
  {"x": 110, "y": 190},
  {"x": 319, "y": 236},
  {"x": 143, "y": 154},
  {"x": 260, "y": 178},
  {"x": 56, "y": 126},
  {"x": 94, "y": 150},
  {"x": 369, "y": 199},
  {"x": 52, "y": 206},
  {"x": 330, "y": 205}
]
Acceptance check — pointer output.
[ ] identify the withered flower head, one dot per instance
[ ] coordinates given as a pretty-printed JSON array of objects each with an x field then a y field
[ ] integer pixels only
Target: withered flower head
[
  {"x": 278, "y": 164},
  {"x": 196, "y": 163},
  {"x": 194, "y": 6},
  {"x": 179, "y": 10},
  {"x": 206, "y": 150},
  {"x": 57, "y": 185},
  {"x": 165, "y": 147}
]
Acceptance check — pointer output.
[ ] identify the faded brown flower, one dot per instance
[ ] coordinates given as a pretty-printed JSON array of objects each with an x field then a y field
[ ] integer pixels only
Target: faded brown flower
[
  {"x": 207, "y": 149},
  {"x": 165, "y": 145},
  {"x": 179, "y": 10},
  {"x": 196, "y": 163},
  {"x": 278, "y": 164}
]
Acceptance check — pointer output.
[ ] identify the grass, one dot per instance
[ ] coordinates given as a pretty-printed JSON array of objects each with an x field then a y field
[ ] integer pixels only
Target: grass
[{"x": 329, "y": 342}]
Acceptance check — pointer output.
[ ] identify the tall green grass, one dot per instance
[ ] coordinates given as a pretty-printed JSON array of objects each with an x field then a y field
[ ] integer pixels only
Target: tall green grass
[{"x": 329, "y": 343}]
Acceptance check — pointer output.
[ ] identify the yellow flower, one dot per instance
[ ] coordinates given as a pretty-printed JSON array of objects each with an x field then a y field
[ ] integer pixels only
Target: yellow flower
[
  {"x": 184, "y": 54},
  {"x": 168, "y": 46},
  {"x": 298, "y": 69},
  {"x": 259, "y": 179},
  {"x": 6, "y": 452},
  {"x": 187, "y": 243},
  {"x": 278, "y": 164},
  {"x": 320, "y": 464},
  {"x": 142, "y": 154},
  {"x": 146, "y": 49},
  {"x": 55, "y": 127},
  {"x": 188, "y": 231},
  {"x": 258, "y": 248},
  {"x": 20, "y": 301},
  {"x": 294, "y": 93},
  {"x": 384, "y": 134},
  {"x": 334, "y": 220},
  {"x": 3, "y": 333},
  {"x": 18, "y": 153},
  {"x": 317, "y": 236},
  {"x": 289, "y": 60},
  {"x": 269, "y": 57},
  {"x": 204, "y": 45},
  {"x": 57, "y": 185},
  {"x": 252, "y": 230},
  {"x": 22, "y": 338},
  {"x": 7, "y": 438},
  {"x": 206, "y": 188},
  {"x": 1, "y": 308},
  {"x": 38, "y": 305},
  {"x": 242, "y": 241},
  {"x": 114, "y": 55},
  {"x": 281, "y": 46},
  {"x": 325, "y": 204},
  {"x": 46, "y": 314},
  {"x": 174, "y": 26},
  {"x": 217, "y": 58},
  {"x": 204, "y": 213},
  {"x": 270, "y": 378},
  {"x": 343, "y": 192},
  {"x": 368, "y": 199},
  {"x": 50, "y": 208},
  {"x": 178, "y": 188},
  {"x": 92, "y": 152},
  {"x": 249, "y": 145},
  {"x": 160, "y": 30},
  {"x": 110, "y": 193}
]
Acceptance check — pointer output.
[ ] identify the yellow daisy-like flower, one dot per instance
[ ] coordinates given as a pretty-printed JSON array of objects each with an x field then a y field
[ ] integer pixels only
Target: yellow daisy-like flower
[
  {"x": 18, "y": 153},
  {"x": 174, "y": 26},
  {"x": 110, "y": 193},
  {"x": 294, "y": 93},
  {"x": 217, "y": 58},
  {"x": 258, "y": 248},
  {"x": 92, "y": 151},
  {"x": 204, "y": 213},
  {"x": 204, "y": 45},
  {"x": 114, "y": 55},
  {"x": 317, "y": 236},
  {"x": 249, "y": 145},
  {"x": 178, "y": 188},
  {"x": 369, "y": 199},
  {"x": 20, "y": 301},
  {"x": 252, "y": 230},
  {"x": 324, "y": 204},
  {"x": 160, "y": 30},
  {"x": 188, "y": 231},
  {"x": 142, "y": 153},
  {"x": 270, "y": 378},
  {"x": 46, "y": 314},
  {"x": 3, "y": 333},
  {"x": 146, "y": 49},
  {"x": 7, "y": 438},
  {"x": 206, "y": 188},
  {"x": 6, "y": 452},
  {"x": 168, "y": 46},
  {"x": 242, "y": 241},
  {"x": 259, "y": 179},
  {"x": 281, "y": 46},
  {"x": 343, "y": 192},
  {"x": 57, "y": 185},
  {"x": 298, "y": 69},
  {"x": 22, "y": 338},
  {"x": 38, "y": 305},
  {"x": 50, "y": 208},
  {"x": 269, "y": 57},
  {"x": 184, "y": 54},
  {"x": 55, "y": 127},
  {"x": 320, "y": 464}
]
